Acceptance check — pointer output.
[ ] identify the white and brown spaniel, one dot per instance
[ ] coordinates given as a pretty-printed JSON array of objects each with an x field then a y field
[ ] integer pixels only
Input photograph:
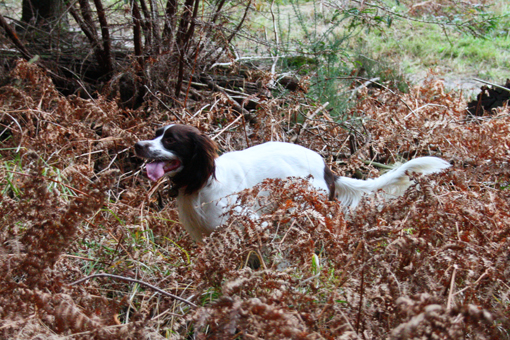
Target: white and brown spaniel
[{"x": 206, "y": 182}]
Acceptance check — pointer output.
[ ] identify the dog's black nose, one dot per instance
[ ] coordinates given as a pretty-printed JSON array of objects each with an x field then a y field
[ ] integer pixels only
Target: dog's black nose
[{"x": 139, "y": 148}]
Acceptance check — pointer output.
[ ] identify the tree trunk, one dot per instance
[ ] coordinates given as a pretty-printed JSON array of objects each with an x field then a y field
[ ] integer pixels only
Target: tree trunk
[{"x": 45, "y": 13}]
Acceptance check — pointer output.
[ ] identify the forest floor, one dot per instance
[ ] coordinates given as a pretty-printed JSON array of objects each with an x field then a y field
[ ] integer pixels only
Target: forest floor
[{"x": 432, "y": 263}]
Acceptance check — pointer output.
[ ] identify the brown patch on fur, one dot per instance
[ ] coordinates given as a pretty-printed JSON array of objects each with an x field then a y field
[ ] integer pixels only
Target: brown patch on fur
[{"x": 330, "y": 179}]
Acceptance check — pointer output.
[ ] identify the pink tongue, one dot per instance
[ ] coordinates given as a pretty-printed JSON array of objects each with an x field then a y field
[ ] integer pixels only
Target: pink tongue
[{"x": 155, "y": 170}]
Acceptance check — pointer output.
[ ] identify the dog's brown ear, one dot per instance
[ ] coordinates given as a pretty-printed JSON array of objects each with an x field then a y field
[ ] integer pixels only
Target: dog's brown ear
[
  {"x": 201, "y": 165},
  {"x": 197, "y": 153},
  {"x": 198, "y": 161}
]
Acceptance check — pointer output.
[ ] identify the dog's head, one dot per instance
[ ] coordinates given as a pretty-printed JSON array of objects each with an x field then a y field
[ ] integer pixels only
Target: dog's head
[{"x": 181, "y": 152}]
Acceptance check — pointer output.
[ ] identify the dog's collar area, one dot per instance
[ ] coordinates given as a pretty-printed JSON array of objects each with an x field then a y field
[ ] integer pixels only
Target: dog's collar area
[{"x": 173, "y": 191}]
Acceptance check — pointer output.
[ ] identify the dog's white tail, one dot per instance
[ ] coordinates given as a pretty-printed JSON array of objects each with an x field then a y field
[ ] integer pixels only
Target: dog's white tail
[{"x": 349, "y": 191}]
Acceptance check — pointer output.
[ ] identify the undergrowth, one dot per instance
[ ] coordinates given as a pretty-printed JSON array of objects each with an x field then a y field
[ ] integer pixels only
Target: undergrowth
[
  {"x": 336, "y": 46},
  {"x": 432, "y": 263}
]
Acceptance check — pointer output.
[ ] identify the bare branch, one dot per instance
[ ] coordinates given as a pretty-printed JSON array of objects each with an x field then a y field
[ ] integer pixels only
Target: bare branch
[{"x": 12, "y": 35}]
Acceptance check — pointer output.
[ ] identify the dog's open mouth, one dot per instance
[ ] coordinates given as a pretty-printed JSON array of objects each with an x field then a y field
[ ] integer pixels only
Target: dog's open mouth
[{"x": 157, "y": 169}]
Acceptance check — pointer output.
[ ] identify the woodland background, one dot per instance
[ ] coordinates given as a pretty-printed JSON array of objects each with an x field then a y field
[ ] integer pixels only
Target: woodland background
[{"x": 81, "y": 83}]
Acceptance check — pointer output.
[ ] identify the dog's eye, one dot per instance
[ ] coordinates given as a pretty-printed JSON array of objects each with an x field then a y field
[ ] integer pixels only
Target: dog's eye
[{"x": 159, "y": 132}]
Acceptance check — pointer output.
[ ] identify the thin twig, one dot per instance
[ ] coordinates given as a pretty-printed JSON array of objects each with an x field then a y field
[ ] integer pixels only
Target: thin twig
[
  {"x": 89, "y": 32},
  {"x": 192, "y": 72},
  {"x": 239, "y": 59},
  {"x": 362, "y": 289},
  {"x": 186, "y": 27},
  {"x": 234, "y": 32},
  {"x": 378, "y": 165},
  {"x": 472, "y": 285},
  {"x": 410, "y": 18},
  {"x": 365, "y": 84},
  {"x": 147, "y": 22},
  {"x": 309, "y": 279},
  {"x": 162, "y": 103},
  {"x": 19, "y": 126},
  {"x": 307, "y": 119},
  {"x": 424, "y": 106},
  {"x": 226, "y": 127},
  {"x": 237, "y": 93},
  {"x": 137, "y": 32},
  {"x": 217, "y": 12},
  {"x": 155, "y": 30},
  {"x": 452, "y": 288},
  {"x": 390, "y": 90},
  {"x": 273, "y": 67},
  {"x": 314, "y": 113},
  {"x": 341, "y": 280},
  {"x": 494, "y": 85},
  {"x": 348, "y": 322},
  {"x": 123, "y": 278}
]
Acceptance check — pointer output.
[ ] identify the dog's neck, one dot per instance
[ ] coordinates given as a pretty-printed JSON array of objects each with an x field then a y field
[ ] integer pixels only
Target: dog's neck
[{"x": 192, "y": 215}]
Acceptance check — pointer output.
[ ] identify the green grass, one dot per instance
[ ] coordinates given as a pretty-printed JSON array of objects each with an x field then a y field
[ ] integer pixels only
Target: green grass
[
  {"x": 419, "y": 46},
  {"x": 411, "y": 47}
]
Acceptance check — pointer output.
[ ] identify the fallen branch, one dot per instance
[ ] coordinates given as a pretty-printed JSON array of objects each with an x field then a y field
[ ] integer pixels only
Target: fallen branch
[
  {"x": 239, "y": 108},
  {"x": 14, "y": 38},
  {"x": 492, "y": 84}
]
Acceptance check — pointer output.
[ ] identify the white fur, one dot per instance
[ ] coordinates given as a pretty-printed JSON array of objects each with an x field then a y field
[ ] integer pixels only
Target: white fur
[
  {"x": 202, "y": 211},
  {"x": 156, "y": 147},
  {"x": 394, "y": 183}
]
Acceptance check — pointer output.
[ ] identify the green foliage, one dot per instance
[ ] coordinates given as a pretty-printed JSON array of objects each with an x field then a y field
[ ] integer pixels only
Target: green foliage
[
  {"x": 315, "y": 46},
  {"x": 383, "y": 71},
  {"x": 367, "y": 18},
  {"x": 477, "y": 20},
  {"x": 421, "y": 46},
  {"x": 367, "y": 40},
  {"x": 467, "y": 39},
  {"x": 10, "y": 187}
]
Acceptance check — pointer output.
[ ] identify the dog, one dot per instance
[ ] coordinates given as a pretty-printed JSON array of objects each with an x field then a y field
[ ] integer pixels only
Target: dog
[{"x": 206, "y": 182}]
